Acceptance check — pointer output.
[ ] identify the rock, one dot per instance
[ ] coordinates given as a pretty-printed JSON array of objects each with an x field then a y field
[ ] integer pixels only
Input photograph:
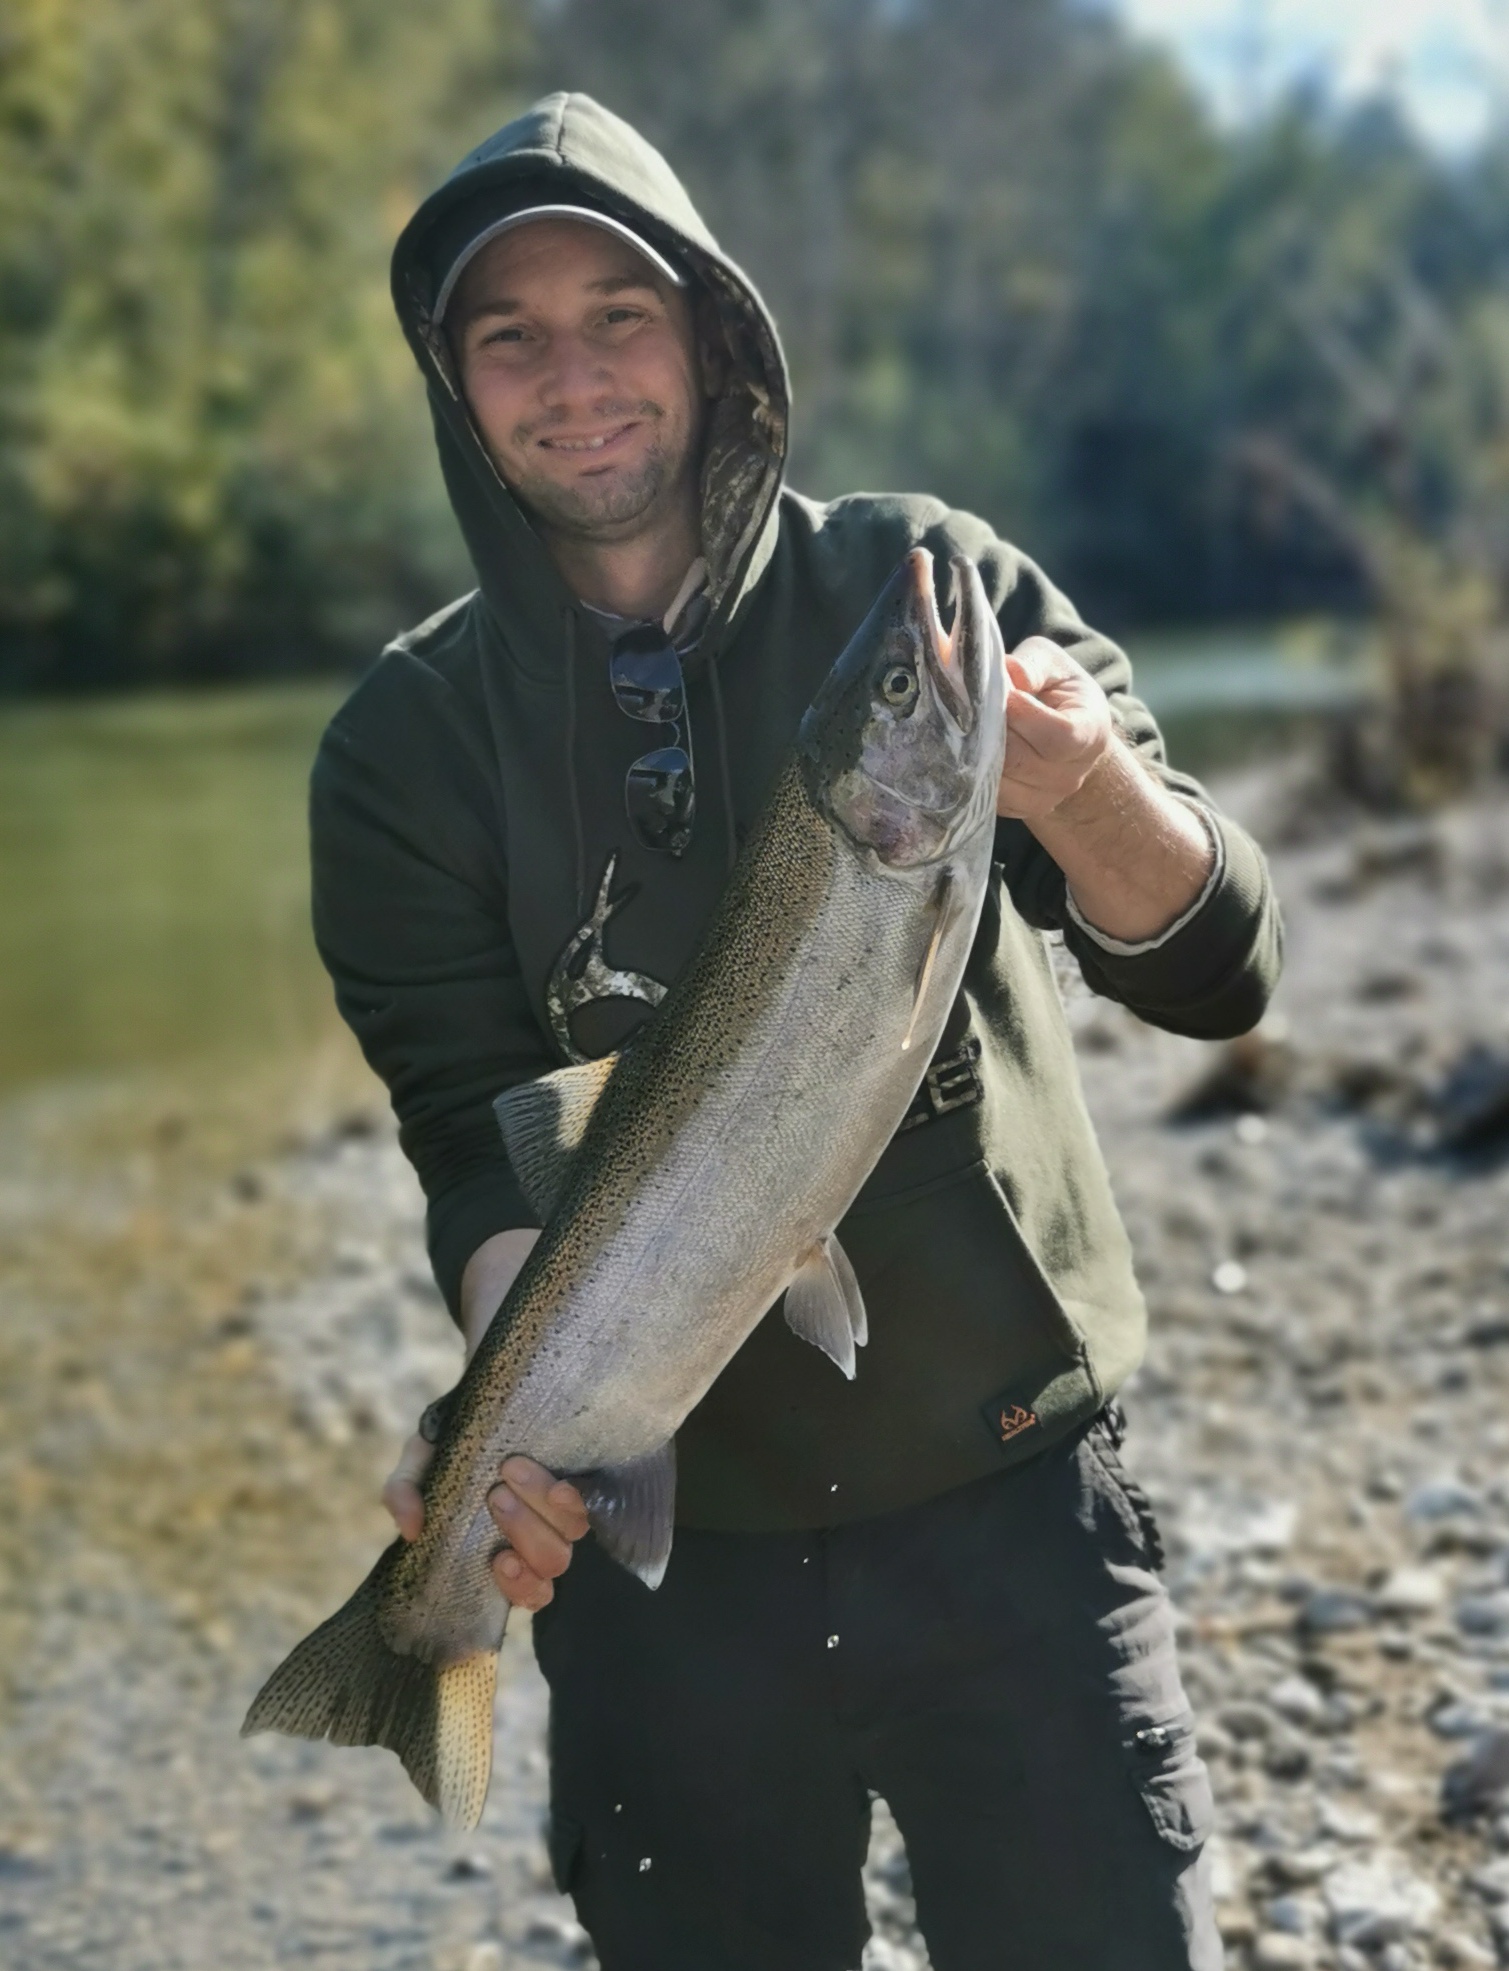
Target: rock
[
  {"x": 561, "y": 1933},
  {"x": 1286, "y": 1756},
  {"x": 1237, "y": 1925},
  {"x": 1297, "y": 1699},
  {"x": 1214, "y": 1527},
  {"x": 1277, "y": 1950},
  {"x": 1462, "y": 1719},
  {"x": 1491, "y": 1881},
  {"x": 1411, "y": 1591},
  {"x": 1252, "y": 1073},
  {"x": 1229, "y": 1277},
  {"x": 1484, "y": 1615},
  {"x": 1246, "y": 1721},
  {"x": 1472, "y": 1103},
  {"x": 1442, "y": 1498},
  {"x": 1301, "y": 1866},
  {"x": 1459, "y": 1952},
  {"x": 1346, "y": 1823},
  {"x": 1212, "y": 1741},
  {"x": 1332, "y": 1611},
  {"x": 313, "y": 1801},
  {"x": 1377, "y": 1901},
  {"x": 485, "y": 1957},
  {"x": 469, "y": 1868},
  {"x": 1293, "y": 1916},
  {"x": 1397, "y": 1957}
]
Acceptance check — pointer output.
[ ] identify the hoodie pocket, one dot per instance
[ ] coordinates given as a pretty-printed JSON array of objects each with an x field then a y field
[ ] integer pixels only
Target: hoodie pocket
[{"x": 963, "y": 1323}]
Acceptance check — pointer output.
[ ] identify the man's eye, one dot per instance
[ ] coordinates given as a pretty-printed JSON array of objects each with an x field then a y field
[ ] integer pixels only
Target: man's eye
[{"x": 615, "y": 317}]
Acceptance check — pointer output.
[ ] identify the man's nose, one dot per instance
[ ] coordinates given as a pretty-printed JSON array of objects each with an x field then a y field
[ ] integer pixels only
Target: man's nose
[{"x": 573, "y": 372}]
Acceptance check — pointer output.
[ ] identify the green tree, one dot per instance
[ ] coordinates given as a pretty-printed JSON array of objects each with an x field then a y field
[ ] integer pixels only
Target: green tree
[{"x": 215, "y": 453}]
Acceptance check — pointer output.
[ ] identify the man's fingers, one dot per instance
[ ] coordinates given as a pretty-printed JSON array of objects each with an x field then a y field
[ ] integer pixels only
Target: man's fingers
[
  {"x": 519, "y": 1585},
  {"x": 1033, "y": 663},
  {"x": 556, "y": 1500},
  {"x": 538, "y": 1546},
  {"x": 401, "y": 1495}
]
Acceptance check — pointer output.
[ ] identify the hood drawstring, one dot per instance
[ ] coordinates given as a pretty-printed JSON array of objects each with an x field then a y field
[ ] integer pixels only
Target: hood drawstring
[
  {"x": 573, "y": 794},
  {"x": 730, "y": 831}
]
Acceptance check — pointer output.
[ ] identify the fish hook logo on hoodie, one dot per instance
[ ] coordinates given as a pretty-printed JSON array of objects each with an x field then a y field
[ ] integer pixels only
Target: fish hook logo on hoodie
[{"x": 582, "y": 972}]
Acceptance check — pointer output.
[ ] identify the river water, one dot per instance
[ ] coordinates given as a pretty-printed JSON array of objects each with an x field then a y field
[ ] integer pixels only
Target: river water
[{"x": 153, "y": 882}]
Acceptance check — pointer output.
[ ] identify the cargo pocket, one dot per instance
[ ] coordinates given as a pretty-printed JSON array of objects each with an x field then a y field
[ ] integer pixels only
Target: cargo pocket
[
  {"x": 1171, "y": 1777},
  {"x": 564, "y": 1841}
]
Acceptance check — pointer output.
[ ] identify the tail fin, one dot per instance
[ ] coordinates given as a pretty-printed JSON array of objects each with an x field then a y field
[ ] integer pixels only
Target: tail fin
[{"x": 344, "y": 1683}]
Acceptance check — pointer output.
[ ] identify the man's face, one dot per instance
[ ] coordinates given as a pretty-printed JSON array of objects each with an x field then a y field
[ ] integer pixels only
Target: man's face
[{"x": 582, "y": 370}]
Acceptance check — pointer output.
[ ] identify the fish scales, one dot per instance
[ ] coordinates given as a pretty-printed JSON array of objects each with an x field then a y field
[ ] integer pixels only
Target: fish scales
[{"x": 723, "y": 1148}]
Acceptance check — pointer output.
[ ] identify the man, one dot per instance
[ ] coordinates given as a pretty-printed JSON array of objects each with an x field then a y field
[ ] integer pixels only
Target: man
[{"x": 934, "y": 1583}]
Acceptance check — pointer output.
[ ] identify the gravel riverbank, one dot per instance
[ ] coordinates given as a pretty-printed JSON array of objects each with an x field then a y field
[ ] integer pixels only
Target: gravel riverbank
[{"x": 217, "y": 1322}]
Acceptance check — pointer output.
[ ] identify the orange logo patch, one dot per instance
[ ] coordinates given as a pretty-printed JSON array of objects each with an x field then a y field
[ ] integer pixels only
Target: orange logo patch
[{"x": 1015, "y": 1420}]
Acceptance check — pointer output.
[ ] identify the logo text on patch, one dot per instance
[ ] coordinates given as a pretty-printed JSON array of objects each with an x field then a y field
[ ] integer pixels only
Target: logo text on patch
[{"x": 1014, "y": 1421}]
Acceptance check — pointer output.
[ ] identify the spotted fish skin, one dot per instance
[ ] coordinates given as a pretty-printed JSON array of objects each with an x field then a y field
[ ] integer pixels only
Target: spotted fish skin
[{"x": 721, "y": 1151}]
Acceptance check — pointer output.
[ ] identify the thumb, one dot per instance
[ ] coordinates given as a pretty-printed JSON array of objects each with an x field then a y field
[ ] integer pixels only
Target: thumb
[{"x": 401, "y": 1494}]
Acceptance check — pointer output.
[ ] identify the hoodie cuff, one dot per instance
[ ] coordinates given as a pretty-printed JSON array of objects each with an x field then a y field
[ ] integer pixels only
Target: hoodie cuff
[
  {"x": 465, "y": 1217},
  {"x": 1210, "y": 975},
  {"x": 1134, "y": 949}
]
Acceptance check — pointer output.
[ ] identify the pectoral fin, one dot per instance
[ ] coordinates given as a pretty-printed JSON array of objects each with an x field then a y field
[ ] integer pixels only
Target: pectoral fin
[
  {"x": 543, "y": 1122},
  {"x": 824, "y": 1304},
  {"x": 946, "y": 905},
  {"x": 632, "y": 1510}
]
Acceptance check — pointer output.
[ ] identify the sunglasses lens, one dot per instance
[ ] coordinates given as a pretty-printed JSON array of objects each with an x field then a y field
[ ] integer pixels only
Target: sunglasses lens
[
  {"x": 660, "y": 799},
  {"x": 645, "y": 673}
]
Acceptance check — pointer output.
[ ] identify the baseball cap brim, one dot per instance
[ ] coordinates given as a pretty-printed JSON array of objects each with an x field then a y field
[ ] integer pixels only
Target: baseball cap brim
[{"x": 527, "y": 216}]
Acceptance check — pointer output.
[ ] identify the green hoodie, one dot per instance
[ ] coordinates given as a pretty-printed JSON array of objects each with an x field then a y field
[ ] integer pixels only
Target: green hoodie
[{"x": 486, "y": 913}]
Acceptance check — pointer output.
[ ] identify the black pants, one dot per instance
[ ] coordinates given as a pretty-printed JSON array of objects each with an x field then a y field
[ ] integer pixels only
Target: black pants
[{"x": 997, "y": 1663}]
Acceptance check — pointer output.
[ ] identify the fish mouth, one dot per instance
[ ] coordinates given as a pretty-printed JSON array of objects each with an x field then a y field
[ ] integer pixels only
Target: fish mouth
[
  {"x": 899, "y": 740},
  {"x": 940, "y": 648}
]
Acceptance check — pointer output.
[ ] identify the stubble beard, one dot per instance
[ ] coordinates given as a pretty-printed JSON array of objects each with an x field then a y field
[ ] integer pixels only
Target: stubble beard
[{"x": 601, "y": 509}]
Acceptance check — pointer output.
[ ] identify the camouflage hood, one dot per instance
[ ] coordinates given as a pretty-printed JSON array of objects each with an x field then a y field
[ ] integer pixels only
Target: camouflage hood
[{"x": 569, "y": 149}]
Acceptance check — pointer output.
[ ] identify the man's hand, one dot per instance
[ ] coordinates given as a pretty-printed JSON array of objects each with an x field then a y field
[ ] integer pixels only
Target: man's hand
[
  {"x": 1058, "y": 728},
  {"x": 1134, "y": 855},
  {"x": 538, "y": 1515}
]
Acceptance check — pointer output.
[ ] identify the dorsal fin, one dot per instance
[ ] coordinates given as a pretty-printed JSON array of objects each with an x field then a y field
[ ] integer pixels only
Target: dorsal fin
[{"x": 543, "y": 1122}]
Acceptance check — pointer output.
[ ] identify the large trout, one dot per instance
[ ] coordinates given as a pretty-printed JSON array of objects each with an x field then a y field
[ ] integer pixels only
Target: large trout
[{"x": 688, "y": 1183}]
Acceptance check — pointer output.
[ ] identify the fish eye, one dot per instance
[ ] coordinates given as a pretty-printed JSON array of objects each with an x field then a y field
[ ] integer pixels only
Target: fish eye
[{"x": 898, "y": 686}]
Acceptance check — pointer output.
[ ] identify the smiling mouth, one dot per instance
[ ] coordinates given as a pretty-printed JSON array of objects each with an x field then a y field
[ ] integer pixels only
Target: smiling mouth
[{"x": 597, "y": 443}]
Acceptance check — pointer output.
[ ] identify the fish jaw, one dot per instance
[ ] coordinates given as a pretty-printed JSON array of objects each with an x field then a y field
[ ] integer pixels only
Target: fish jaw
[{"x": 902, "y": 747}]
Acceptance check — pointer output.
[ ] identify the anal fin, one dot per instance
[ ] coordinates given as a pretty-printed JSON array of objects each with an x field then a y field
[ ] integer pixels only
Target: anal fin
[
  {"x": 632, "y": 1510},
  {"x": 824, "y": 1304}
]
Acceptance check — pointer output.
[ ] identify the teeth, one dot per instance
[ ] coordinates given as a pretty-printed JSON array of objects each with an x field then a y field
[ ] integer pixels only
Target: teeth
[{"x": 578, "y": 444}]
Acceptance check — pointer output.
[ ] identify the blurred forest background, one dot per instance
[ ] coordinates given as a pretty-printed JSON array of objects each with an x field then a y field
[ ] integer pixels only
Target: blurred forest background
[
  {"x": 1242, "y": 387},
  {"x": 1200, "y": 374}
]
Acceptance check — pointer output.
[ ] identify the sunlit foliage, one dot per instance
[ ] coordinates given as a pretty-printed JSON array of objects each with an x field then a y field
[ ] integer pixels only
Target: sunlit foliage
[
  {"x": 214, "y": 454},
  {"x": 1014, "y": 263}
]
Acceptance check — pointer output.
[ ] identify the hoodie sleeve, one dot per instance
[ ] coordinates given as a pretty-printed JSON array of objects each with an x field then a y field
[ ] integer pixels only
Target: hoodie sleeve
[
  {"x": 410, "y": 916},
  {"x": 1211, "y": 975}
]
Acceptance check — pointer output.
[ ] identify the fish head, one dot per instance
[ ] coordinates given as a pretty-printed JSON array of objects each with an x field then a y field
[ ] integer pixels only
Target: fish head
[{"x": 902, "y": 745}]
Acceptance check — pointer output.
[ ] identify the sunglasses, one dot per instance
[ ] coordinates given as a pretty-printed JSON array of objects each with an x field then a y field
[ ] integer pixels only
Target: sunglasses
[{"x": 659, "y": 791}]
